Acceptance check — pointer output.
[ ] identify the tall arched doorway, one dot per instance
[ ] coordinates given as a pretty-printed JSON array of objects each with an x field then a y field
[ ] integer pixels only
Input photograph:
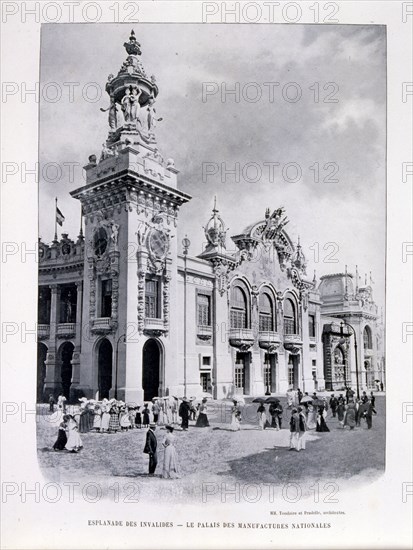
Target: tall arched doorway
[
  {"x": 151, "y": 366},
  {"x": 66, "y": 354},
  {"x": 105, "y": 357},
  {"x": 41, "y": 370},
  {"x": 293, "y": 371}
]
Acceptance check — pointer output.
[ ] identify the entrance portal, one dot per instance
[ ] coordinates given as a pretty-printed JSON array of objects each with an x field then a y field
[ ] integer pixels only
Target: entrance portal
[
  {"x": 41, "y": 371},
  {"x": 269, "y": 373},
  {"x": 66, "y": 354},
  {"x": 151, "y": 355},
  {"x": 293, "y": 380},
  {"x": 242, "y": 373},
  {"x": 105, "y": 354}
]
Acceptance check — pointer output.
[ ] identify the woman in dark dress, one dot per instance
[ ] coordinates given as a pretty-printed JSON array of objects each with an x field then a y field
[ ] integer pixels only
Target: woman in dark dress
[
  {"x": 86, "y": 420},
  {"x": 145, "y": 416},
  {"x": 138, "y": 418},
  {"x": 321, "y": 423},
  {"x": 202, "y": 420},
  {"x": 114, "y": 425},
  {"x": 61, "y": 440},
  {"x": 340, "y": 408}
]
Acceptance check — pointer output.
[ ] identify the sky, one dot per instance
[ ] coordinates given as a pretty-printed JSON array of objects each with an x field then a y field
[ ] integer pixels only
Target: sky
[{"x": 326, "y": 115}]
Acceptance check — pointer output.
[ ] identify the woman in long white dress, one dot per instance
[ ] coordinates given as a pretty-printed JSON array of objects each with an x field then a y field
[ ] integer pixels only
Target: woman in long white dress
[
  {"x": 262, "y": 416},
  {"x": 170, "y": 468},
  {"x": 124, "y": 420},
  {"x": 74, "y": 443},
  {"x": 235, "y": 417},
  {"x": 97, "y": 419},
  {"x": 104, "y": 425},
  {"x": 311, "y": 417}
]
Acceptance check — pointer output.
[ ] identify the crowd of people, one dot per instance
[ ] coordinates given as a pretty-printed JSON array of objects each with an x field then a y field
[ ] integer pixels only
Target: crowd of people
[
  {"x": 112, "y": 416},
  {"x": 310, "y": 412}
]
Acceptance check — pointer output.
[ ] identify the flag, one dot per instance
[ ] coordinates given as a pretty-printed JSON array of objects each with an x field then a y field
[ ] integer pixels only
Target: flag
[{"x": 59, "y": 217}]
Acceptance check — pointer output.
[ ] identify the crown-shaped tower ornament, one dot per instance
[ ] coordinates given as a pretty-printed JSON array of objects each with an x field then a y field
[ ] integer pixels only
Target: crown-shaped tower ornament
[
  {"x": 131, "y": 112},
  {"x": 215, "y": 231},
  {"x": 133, "y": 47}
]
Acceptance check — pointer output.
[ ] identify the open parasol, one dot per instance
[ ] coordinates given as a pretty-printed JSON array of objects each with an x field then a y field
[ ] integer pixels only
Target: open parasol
[
  {"x": 272, "y": 400},
  {"x": 306, "y": 399},
  {"x": 259, "y": 400}
]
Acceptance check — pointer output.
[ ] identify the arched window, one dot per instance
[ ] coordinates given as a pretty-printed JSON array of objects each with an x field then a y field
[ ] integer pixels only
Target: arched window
[
  {"x": 367, "y": 338},
  {"x": 266, "y": 312},
  {"x": 290, "y": 317},
  {"x": 239, "y": 311}
]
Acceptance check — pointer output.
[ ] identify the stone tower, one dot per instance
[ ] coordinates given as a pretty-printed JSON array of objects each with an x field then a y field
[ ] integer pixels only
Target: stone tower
[{"x": 130, "y": 204}]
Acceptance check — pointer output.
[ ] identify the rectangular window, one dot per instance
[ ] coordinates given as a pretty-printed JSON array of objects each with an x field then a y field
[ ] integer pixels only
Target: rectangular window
[
  {"x": 152, "y": 301},
  {"x": 204, "y": 310},
  {"x": 289, "y": 326},
  {"x": 44, "y": 303},
  {"x": 239, "y": 376},
  {"x": 206, "y": 381},
  {"x": 206, "y": 361},
  {"x": 312, "y": 326},
  {"x": 265, "y": 323},
  {"x": 237, "y": 319},
  {"x": 290, "y": 374},
  {"x": 106, "y": 298},
  {"x": 267, "y": 375}
]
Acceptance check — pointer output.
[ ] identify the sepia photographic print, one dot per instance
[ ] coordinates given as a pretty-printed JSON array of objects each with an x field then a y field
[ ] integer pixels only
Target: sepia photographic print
[{"x": 211, "y": 281}]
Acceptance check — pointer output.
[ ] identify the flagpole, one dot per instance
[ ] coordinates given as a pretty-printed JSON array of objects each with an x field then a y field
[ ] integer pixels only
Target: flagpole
[{"x": 55, "y": 220}]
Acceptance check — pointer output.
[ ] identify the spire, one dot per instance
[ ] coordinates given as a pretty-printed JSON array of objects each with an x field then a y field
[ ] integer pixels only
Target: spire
[
  {"x": 132, "y": 47},
  {"x": 299, "y": 258},
  {"x": 80, "y": 237},
  {"x": 215, "y": 231},
  {"x": 357, "y": 279}
]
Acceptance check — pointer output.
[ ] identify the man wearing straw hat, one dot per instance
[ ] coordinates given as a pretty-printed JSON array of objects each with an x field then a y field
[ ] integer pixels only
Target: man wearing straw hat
[{"x": 151, "y": 444}]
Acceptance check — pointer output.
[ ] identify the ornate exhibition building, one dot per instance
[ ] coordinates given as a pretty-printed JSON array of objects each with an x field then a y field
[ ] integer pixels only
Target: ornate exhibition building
[{"x": 126, "y": 312}]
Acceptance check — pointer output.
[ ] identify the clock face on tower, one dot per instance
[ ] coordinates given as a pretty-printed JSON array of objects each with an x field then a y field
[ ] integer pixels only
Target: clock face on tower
[{"x": 158, "y": 243}]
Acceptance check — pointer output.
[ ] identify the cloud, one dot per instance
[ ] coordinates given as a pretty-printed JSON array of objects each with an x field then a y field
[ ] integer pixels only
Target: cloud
[{"x": 310, "y": 132}]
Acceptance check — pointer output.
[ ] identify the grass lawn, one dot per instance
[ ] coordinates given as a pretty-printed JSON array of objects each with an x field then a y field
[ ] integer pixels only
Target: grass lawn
[{"x": 216, "y": 455}]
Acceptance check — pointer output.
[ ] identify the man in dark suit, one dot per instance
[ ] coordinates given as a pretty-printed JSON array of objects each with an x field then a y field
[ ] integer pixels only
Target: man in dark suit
[
  {"x": 151, "y": 444},
  {"x": 184, "y": 409}
]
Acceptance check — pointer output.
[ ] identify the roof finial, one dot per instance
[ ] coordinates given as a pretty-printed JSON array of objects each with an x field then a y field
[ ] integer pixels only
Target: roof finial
[{"x": 132, "y": 47}]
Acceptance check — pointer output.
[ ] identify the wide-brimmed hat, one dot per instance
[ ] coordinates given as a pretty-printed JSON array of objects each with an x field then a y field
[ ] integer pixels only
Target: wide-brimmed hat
[{"x": 152, "y": 425}]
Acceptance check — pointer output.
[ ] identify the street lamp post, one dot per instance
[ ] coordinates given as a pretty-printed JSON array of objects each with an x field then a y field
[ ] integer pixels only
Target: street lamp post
[
  {"x": 186, "y": 244},
  {"x": 116, "y": 362},
  {"x": 343, "y": 322}
]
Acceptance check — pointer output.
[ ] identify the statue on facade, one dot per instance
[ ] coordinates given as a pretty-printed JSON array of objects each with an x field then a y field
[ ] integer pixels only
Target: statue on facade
[
  {"x": 152, "y": 118},
  {"x": 113, "y": 114},
  {"x": 141, "y": 233},
  {"x": 106, "y": 152},
  {"x": 126, "y": 105},
  {"x": 130, "y": 104},
  {"x": 68, "y": 308},
  {"x": 114, "y": 233},
  {"x": 134, "y": 103}
]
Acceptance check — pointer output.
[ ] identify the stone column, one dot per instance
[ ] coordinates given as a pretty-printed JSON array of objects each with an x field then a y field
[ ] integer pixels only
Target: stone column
[
  {"x": 78, "y": 340},
  {"x": 52, "y": 381},
  {"x": 222, "y": 371}
]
